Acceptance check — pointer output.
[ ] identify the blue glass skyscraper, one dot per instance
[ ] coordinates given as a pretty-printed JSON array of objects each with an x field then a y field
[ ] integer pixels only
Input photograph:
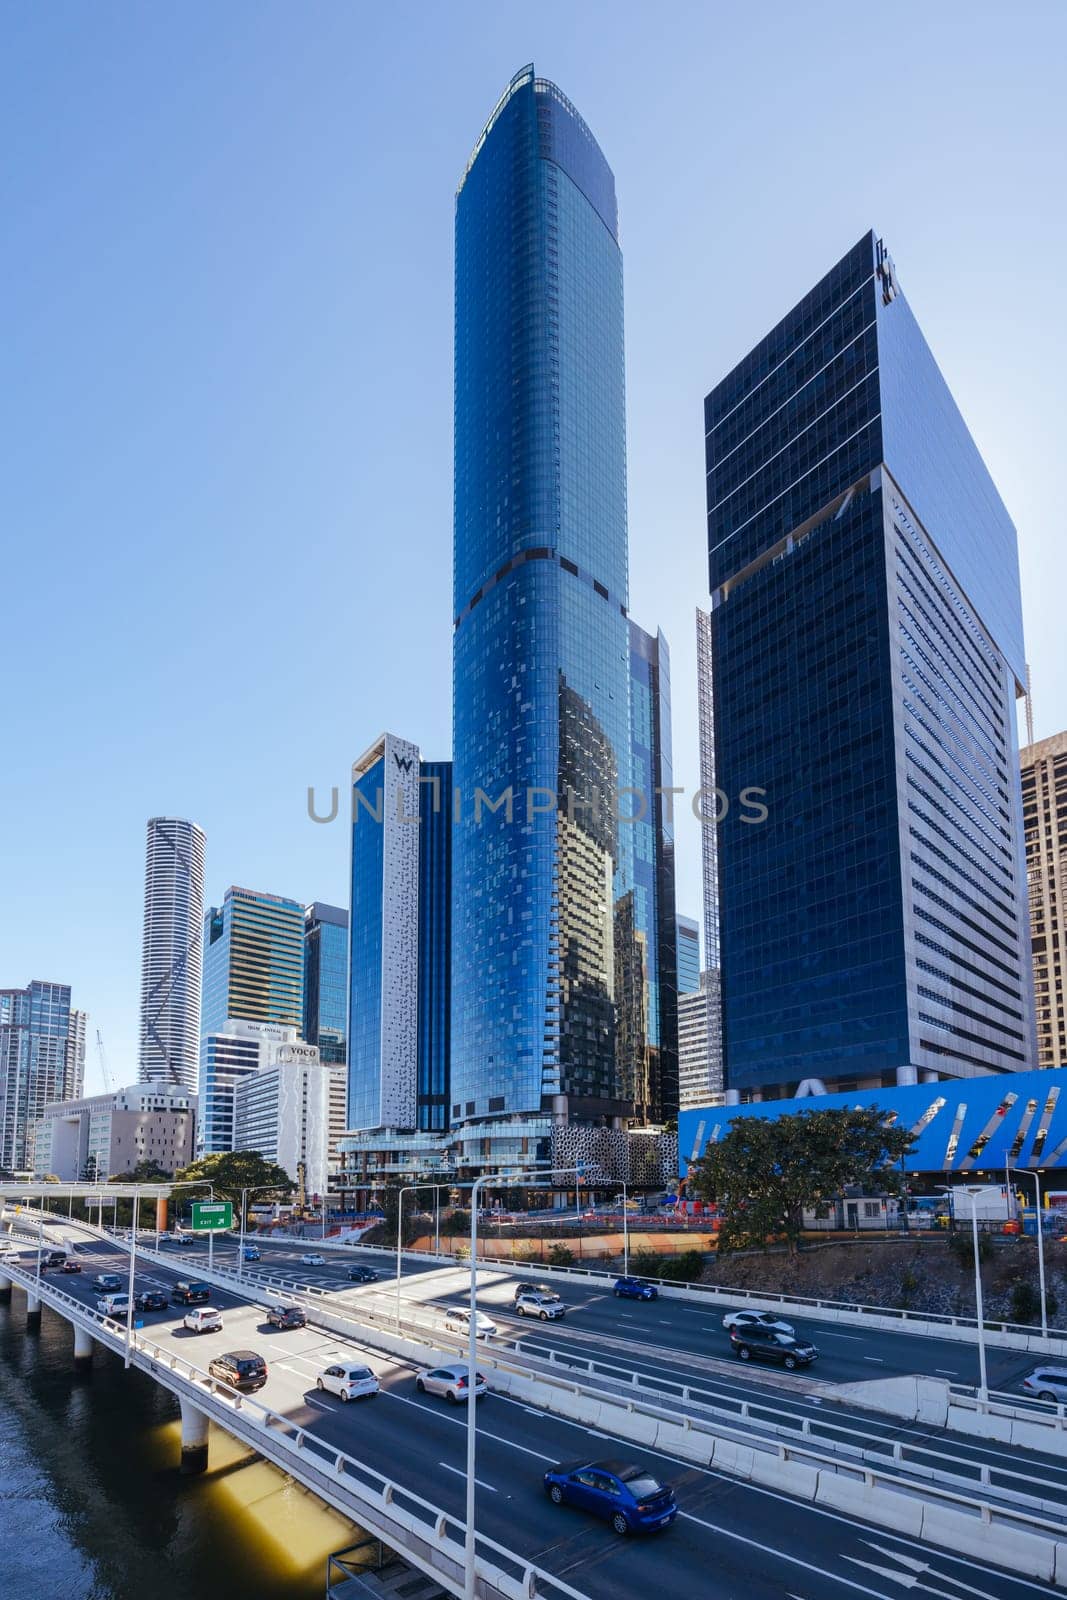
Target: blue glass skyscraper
[
  {"x": 866, "y": 652},
  {"x": 541, "y": 642},
  {"x": 326, "y": 980}
]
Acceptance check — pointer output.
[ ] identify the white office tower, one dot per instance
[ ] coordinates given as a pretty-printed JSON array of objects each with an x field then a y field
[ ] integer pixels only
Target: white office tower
[{"x": 172, "y": 957}]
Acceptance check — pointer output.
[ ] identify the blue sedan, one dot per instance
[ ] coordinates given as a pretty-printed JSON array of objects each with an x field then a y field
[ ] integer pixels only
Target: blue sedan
[
  {"x": 635, "y": 1289},
  {"x": 627, "y": 1496}
]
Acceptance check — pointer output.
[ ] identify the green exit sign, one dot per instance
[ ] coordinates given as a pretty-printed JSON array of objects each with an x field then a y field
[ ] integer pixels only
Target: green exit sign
[{"x": 211, "y": 1216}]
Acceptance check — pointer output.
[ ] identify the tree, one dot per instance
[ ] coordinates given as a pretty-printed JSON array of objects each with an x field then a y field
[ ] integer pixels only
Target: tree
[
  {"x": 767, "y": 1170},
  {"x": 233, "y": 1170},
  {"x": 146, "y": 1171}
]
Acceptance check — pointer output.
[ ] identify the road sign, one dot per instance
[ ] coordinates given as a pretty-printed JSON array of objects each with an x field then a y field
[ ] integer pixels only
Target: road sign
[{"x": 211, "y": 1216}]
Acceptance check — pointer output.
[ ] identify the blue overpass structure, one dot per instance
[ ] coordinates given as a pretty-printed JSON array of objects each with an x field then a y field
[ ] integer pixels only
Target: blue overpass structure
[{"x": 961, "y": 1125}]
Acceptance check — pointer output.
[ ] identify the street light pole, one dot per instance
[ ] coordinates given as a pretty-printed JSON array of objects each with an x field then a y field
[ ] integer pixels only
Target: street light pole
[
  {"x": 625, "y": 1232},
  {"x": 407, "y": 1188},
  {"x": 972, "y": 1195},
  {"x": 133, "y": 1269}
]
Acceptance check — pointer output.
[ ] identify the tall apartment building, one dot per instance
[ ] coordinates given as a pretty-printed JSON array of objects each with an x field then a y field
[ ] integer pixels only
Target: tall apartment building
[
  {"x": 1044, "y": 787},
  {"x": 700, "y": 1044},
  {"x": 688, "y": 955},
  {"x": 551, "y": 1011},
  {"x": 253, "y": 960},
  {"x": 42, "y": 1052},
  {"x": 283, "y": 1111},
  {"x": 102, "y": 1136},
  {"x": 172, "y": 952},
  {"x": 866, "y": 652},
  {"x": 326, "y": 980},
  {"x": 398, "y": 1060}
]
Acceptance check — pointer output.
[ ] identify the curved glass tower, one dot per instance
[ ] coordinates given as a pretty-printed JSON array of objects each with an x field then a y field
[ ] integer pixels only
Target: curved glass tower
[{"x": 541, "y": 691}]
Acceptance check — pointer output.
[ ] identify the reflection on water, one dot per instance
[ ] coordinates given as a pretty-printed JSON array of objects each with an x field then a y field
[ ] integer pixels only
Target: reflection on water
[{"x": 93, "y": 1507}]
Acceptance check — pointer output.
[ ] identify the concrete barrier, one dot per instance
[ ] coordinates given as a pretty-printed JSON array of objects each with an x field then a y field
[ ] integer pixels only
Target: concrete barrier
[
  {"x": 886, "y": 1507},
  {"x": 1025, "y": 1553},
  {"x": 727, "y": 1456},
  {"x": 791, "y": 1477},
  {"x": 986, "y": 1425}
]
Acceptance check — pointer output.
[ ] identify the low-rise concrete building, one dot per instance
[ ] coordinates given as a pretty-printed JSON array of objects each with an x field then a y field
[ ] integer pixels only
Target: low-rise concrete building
[{"x": 106, "y": 1135}]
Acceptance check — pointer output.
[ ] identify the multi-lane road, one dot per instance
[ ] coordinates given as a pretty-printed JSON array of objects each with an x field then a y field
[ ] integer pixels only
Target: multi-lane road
[{"x": 732, "y": 1539}]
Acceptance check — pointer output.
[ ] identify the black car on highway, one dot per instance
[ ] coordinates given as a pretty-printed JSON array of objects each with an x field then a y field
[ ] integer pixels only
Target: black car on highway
[
  {"x": 150, "y": 1300},
  {"x": 191, "y": 1294},
  {"x": 362, "y": 1275},
  {"x": 241, "y": 1369},
  {"x": 287, "y": 1316},
  {"x": 754, "y": 1342}
]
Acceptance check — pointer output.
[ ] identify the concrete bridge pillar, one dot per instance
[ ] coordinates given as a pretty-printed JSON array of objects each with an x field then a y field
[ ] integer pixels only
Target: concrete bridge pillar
[
  {"x": 83, "y": 1348},
  {"x": 194, "y": 1438},
  {"x": 5, "y": 1288},
  {"x": 33, "y": 1309}
]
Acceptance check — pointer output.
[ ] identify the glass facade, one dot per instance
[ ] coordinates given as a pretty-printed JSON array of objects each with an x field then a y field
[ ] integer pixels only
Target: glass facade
[
  {"x": 435, "y": 944},
  {"x": 326, "y": 981},
  {"x": 38, "y": 1064},
  {"x": 253, "y": 960},
  {"x": 541, "y": 645},
  {"x": 863, "y": 665},
  {"x": 365, "y": 960}
]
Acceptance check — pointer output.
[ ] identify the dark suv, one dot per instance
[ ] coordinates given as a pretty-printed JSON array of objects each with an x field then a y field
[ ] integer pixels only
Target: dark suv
[
  {"x": 191, "y": 1294},
  {"x": 753, "y": 1342},
  {"x": 54, "y": 1258},
  {"x": 287, "y": 1316},
  {"x": 241, "y": 1369}
]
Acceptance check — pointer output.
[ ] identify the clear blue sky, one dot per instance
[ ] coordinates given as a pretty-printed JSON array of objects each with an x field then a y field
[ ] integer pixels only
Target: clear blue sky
[{"x": 227, "y": 402}]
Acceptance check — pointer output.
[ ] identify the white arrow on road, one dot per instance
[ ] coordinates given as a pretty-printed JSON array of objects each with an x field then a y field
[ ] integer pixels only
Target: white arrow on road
[{"x": 913, "y": 1578}]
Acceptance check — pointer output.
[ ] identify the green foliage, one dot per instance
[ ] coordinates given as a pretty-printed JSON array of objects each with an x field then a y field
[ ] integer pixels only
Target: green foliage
[
  {"x": 234, "y": 1170},
  {"x": 560, "y": 1256},
  {"x": 767, "y": 1170},
  {"x": 961, "y": 1245},
  {"x": 1025, "y": 1303},
  {"x": 646, "y": 1263},
  {"x": 684, "y": 1268},
  {"x": 456, "y": 1222},
  {"x": 143, "y": 1172}
]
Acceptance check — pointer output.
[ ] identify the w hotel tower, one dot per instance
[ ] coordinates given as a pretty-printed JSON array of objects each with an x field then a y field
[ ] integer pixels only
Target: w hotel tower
[
  {"x": 866, "y": 655},
  {"x": 548, "y": 934}
]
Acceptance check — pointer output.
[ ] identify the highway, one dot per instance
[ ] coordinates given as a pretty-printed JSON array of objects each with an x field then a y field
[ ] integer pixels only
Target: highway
[{"x": 732, "y": 1539}]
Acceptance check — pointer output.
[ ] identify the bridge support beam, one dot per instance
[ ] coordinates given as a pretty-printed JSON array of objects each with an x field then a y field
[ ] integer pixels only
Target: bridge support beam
[
  {"x": 194, "y": 1438},
  {"x": 33, "y": 1309},
  {"x": 83, "y": 1349}
]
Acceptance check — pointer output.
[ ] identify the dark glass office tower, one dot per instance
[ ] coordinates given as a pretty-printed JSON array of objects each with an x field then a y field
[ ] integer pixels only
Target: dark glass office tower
[
  {"x": 326, "y": 981},
  {"x": 866, "y": 652},
  {"x": 541, "y": 705}
]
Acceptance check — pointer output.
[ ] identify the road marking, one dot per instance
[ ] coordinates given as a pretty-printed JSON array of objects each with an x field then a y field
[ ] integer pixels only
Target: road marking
[
  {"x": 857, "y": 1338},
  {"x": 917, "y": 1567},
  {"x": 947, "y": 1372},
  {"x": 876, "y": 1359},
  {"x": 781, "y": 1555},
  {"x": 483, "y": 1433},
  {"x": 461, "y": 1474}
]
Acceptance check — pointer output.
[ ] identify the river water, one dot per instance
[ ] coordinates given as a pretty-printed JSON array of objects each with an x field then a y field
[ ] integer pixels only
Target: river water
[{"x": 93, "y": 1506}]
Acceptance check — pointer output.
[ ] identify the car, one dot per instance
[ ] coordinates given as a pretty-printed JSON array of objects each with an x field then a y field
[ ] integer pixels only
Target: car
[
  {"x": 758, "y": 1319},
  {"x": 348, "y": 1381},
  {"x": 753, "y": 1342},
  {"x": 251, "y": 1252},
  {"x": 241, "y": 1369},
  {"x": 70, "y": 1265},
  {"x": 203, "y": 1319},
  {"x": 114, "y": 1305},
  {"x": 452, "y": 1382},
  {"x": 362, "y": 1275},
  {"x": 531, "y": 1288},
  {"x": 1047, "y": 1383},
  {"x": 635, "y": 1289},
  {"x": 630, "y": 1497},
  {"x": 287, "y": 1316},
  {"x": 458, "y": 1320},
  {"x": 190, "y": 1294},
  {"x": 186, "y": 1238},
  {"x": 150, "y": 1300},
  {"x": 108, "y": 1281},
  {"x": 312, "y": 1261},
  {"x": 53, "y": 1258},
  {"x": 531, "y": 1302}
]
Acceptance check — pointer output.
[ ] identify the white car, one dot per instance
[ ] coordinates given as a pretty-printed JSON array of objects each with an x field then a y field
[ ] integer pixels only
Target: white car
[
  {"x": 458, "y": 1321},
  {"x": 449, "y": 1381},
  {"x": 762, "y": 1319},
  {"x": 114, "y": 1305},
  {"x": 1047, "y": 1383},
  {"x": 203, "y": 1319},
  {"x": 348, "y": 1381},
  {"x": 313, "y": 1261},
  {"x": 535, "y": 1303}
]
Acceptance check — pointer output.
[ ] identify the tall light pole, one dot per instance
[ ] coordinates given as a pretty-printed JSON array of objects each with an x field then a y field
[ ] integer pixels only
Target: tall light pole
[
  {"x": 408, "y": 1188},
  {"x": 972, "y": 1194},
  {"x": 625, "y": 1232},
  {"x": 1040, "y": 1245},
  {"x": 129, "y": 1292},
  {"x": 259, "y": 1188},
  {"x": 472, "y": 1359}
]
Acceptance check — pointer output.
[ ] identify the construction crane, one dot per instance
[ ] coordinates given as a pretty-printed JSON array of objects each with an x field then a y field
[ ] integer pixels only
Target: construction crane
[{"x": 102, "y": 1056}]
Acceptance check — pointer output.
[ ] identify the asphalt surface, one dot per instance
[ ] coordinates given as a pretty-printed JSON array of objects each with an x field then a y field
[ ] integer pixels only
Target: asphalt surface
[{"x": 731, "y": 1540}]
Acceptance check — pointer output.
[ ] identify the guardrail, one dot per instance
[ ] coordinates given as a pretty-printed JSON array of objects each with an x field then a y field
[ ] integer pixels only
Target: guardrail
[{"x": 428, "y": 1536}]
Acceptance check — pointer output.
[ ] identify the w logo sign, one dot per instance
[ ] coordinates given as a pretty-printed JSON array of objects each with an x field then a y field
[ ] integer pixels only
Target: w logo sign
[{"x": 403, "y": 762}]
